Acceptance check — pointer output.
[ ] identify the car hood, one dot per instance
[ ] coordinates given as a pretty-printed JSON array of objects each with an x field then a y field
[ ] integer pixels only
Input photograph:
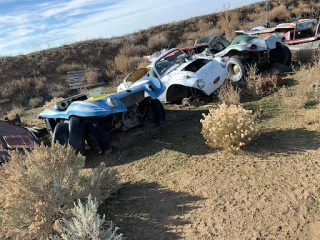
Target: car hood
[{"x": 106, "y": 104}]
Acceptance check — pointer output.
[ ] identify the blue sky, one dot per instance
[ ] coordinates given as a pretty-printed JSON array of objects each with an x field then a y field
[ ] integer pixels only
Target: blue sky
[{"x": 32, "y": 25}]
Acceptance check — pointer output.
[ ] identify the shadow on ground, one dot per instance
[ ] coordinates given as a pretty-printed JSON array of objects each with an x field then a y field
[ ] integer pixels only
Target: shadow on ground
[
  {"x": 181, "y": 132},
  {"x": 289, "y": 141},
  {"x": 147, "y": 211}
]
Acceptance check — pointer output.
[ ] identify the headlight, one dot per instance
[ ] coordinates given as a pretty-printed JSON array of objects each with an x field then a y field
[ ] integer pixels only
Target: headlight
[
  {"x": 223, "y": 62},
  {"x": 112, "y": 102},
  {"x": 201, "y": 83}
]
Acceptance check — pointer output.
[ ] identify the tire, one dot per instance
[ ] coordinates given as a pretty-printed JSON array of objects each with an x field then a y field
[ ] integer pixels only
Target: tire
[
  {"x": 237, "y": 68},
  {"x": 153, "y": 111},
  {"x": 97, "y": 139},
  {"x": 287, "y": 55},
  {"x": 186, "y": 102},
  {"x": 76, "y": 135},
  {"x": 61, "y": 133},
  {"x": 50, "y": 124},
  {"x": 159, "y": 112}
]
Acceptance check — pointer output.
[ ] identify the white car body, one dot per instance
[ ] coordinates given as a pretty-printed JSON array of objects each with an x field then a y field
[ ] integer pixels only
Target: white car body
[
  {"x": 184, "y": 74},
  {"x": 265, "y": 44}
]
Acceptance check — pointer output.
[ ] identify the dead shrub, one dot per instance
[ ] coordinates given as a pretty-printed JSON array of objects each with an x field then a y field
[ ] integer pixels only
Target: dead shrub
[
  {"x": 279, "y": 14},
  {"x": 40, "y": 83},
  {"x": 91, "y": 77},
  {"x": 35, "y": 102},
  {"x": 158, "y": 41},
  {"x": 203, "y": 25},
  {"x": 229, "y": 94},
  {"x": 40, "y": 187},
  {"x": 131, "y": 50},
  {"x": 228, "y": 127},
  {"x": 52, "y": 103},
  {"x": 228, "y": 22},
  {"x": 57, "y": 90},
  {"x": 16, "y": 110},
  {"x": 122, "y": 65},
  {"x": 259, "y": 85}
]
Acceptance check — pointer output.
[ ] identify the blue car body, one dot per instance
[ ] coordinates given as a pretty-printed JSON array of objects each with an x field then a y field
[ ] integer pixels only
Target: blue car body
[{"x": 106, "y": 104}]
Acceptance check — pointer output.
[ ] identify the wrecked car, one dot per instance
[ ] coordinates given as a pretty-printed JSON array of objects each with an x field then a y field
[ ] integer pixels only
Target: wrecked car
[
  {"x": 269, "y": 54},
  {"x": 185, "y": 76},
  {"x": 86, "y": 117},
  {"x": 304, "y": 35}
]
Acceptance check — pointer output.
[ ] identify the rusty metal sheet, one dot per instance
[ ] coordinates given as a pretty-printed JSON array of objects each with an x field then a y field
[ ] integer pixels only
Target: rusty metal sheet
[
  {"x": 13, "y": 136},
  {"x": 19, "y": 141}
]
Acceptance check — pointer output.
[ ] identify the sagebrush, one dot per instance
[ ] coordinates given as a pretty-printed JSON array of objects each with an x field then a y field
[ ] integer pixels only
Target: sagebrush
[
  {"x": 228, "y": 127},
  {"x": 85, "y": 224},
  {"x": 40, "y": 187}
]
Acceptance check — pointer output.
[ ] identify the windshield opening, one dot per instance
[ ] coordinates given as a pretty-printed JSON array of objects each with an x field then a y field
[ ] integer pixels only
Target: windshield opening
[{"x": 167, "y": 61}]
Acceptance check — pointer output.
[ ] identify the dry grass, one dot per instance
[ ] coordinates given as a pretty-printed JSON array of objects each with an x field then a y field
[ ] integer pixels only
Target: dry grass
[
  {"x": 121, "y": 66},
  {"x": 158, "y": 41},
  {"x": 57, "y": 90},
  {"x": 306, "y": 92},
  {"x": 259, "y": 85},
  {"x": 35, "y": 102},
  {"x": 229, "y": 22},
  {"x": 193, "y": 35},
  {"x": 279, "y": 14},
  {"x": 229, "y": 94},
  {"x": 66, "y": 67}
]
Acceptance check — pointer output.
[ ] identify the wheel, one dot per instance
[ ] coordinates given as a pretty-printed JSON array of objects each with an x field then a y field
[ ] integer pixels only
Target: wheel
[
  {"x": 186, "y": 102},
  {"x": 61, "y": 133},
  {"x": 159, "y": 112},
  {"x": 287, "y": 55},
  {"x": 76, "y": 135},
  {"x": 237, "y": 68},
  {"x": 97, "y": 139},
  {"x": 50, "y": 124},
  {"x": 152, "y": 111},
  {"x": 130, "y": 119}
]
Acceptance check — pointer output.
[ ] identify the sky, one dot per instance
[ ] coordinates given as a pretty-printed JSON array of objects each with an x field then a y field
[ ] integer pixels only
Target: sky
[{"x": 32, "y": 25}]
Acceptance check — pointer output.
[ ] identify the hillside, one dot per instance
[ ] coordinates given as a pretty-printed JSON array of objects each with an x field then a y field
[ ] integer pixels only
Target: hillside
[
  {"x": 172, "y": 184},
  {"x": 45, "y": 71}
]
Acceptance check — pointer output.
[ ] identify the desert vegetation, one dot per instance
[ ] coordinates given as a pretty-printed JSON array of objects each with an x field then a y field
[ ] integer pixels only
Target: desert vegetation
[
  {"x": 228, "y": 127},
  {"x": 178, "y": 181},
  {"x": 38, "y": 189}
]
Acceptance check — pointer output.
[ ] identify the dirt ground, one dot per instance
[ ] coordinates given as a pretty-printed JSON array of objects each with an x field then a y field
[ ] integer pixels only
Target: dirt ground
[{"x": 176, "y": 187}]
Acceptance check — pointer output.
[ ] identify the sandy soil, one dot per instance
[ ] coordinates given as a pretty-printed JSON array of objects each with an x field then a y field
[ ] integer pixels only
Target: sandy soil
[{"x": 176, "y": 187}]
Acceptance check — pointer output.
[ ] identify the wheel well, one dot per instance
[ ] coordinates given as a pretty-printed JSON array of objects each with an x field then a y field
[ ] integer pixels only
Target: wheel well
[
  {"x": 233, "y": 53},
  {"x": 177, "y": 92}
]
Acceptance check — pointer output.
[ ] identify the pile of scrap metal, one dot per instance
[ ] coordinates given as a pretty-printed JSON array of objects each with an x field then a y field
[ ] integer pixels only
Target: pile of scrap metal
[{"x": 14, "y": 137}]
